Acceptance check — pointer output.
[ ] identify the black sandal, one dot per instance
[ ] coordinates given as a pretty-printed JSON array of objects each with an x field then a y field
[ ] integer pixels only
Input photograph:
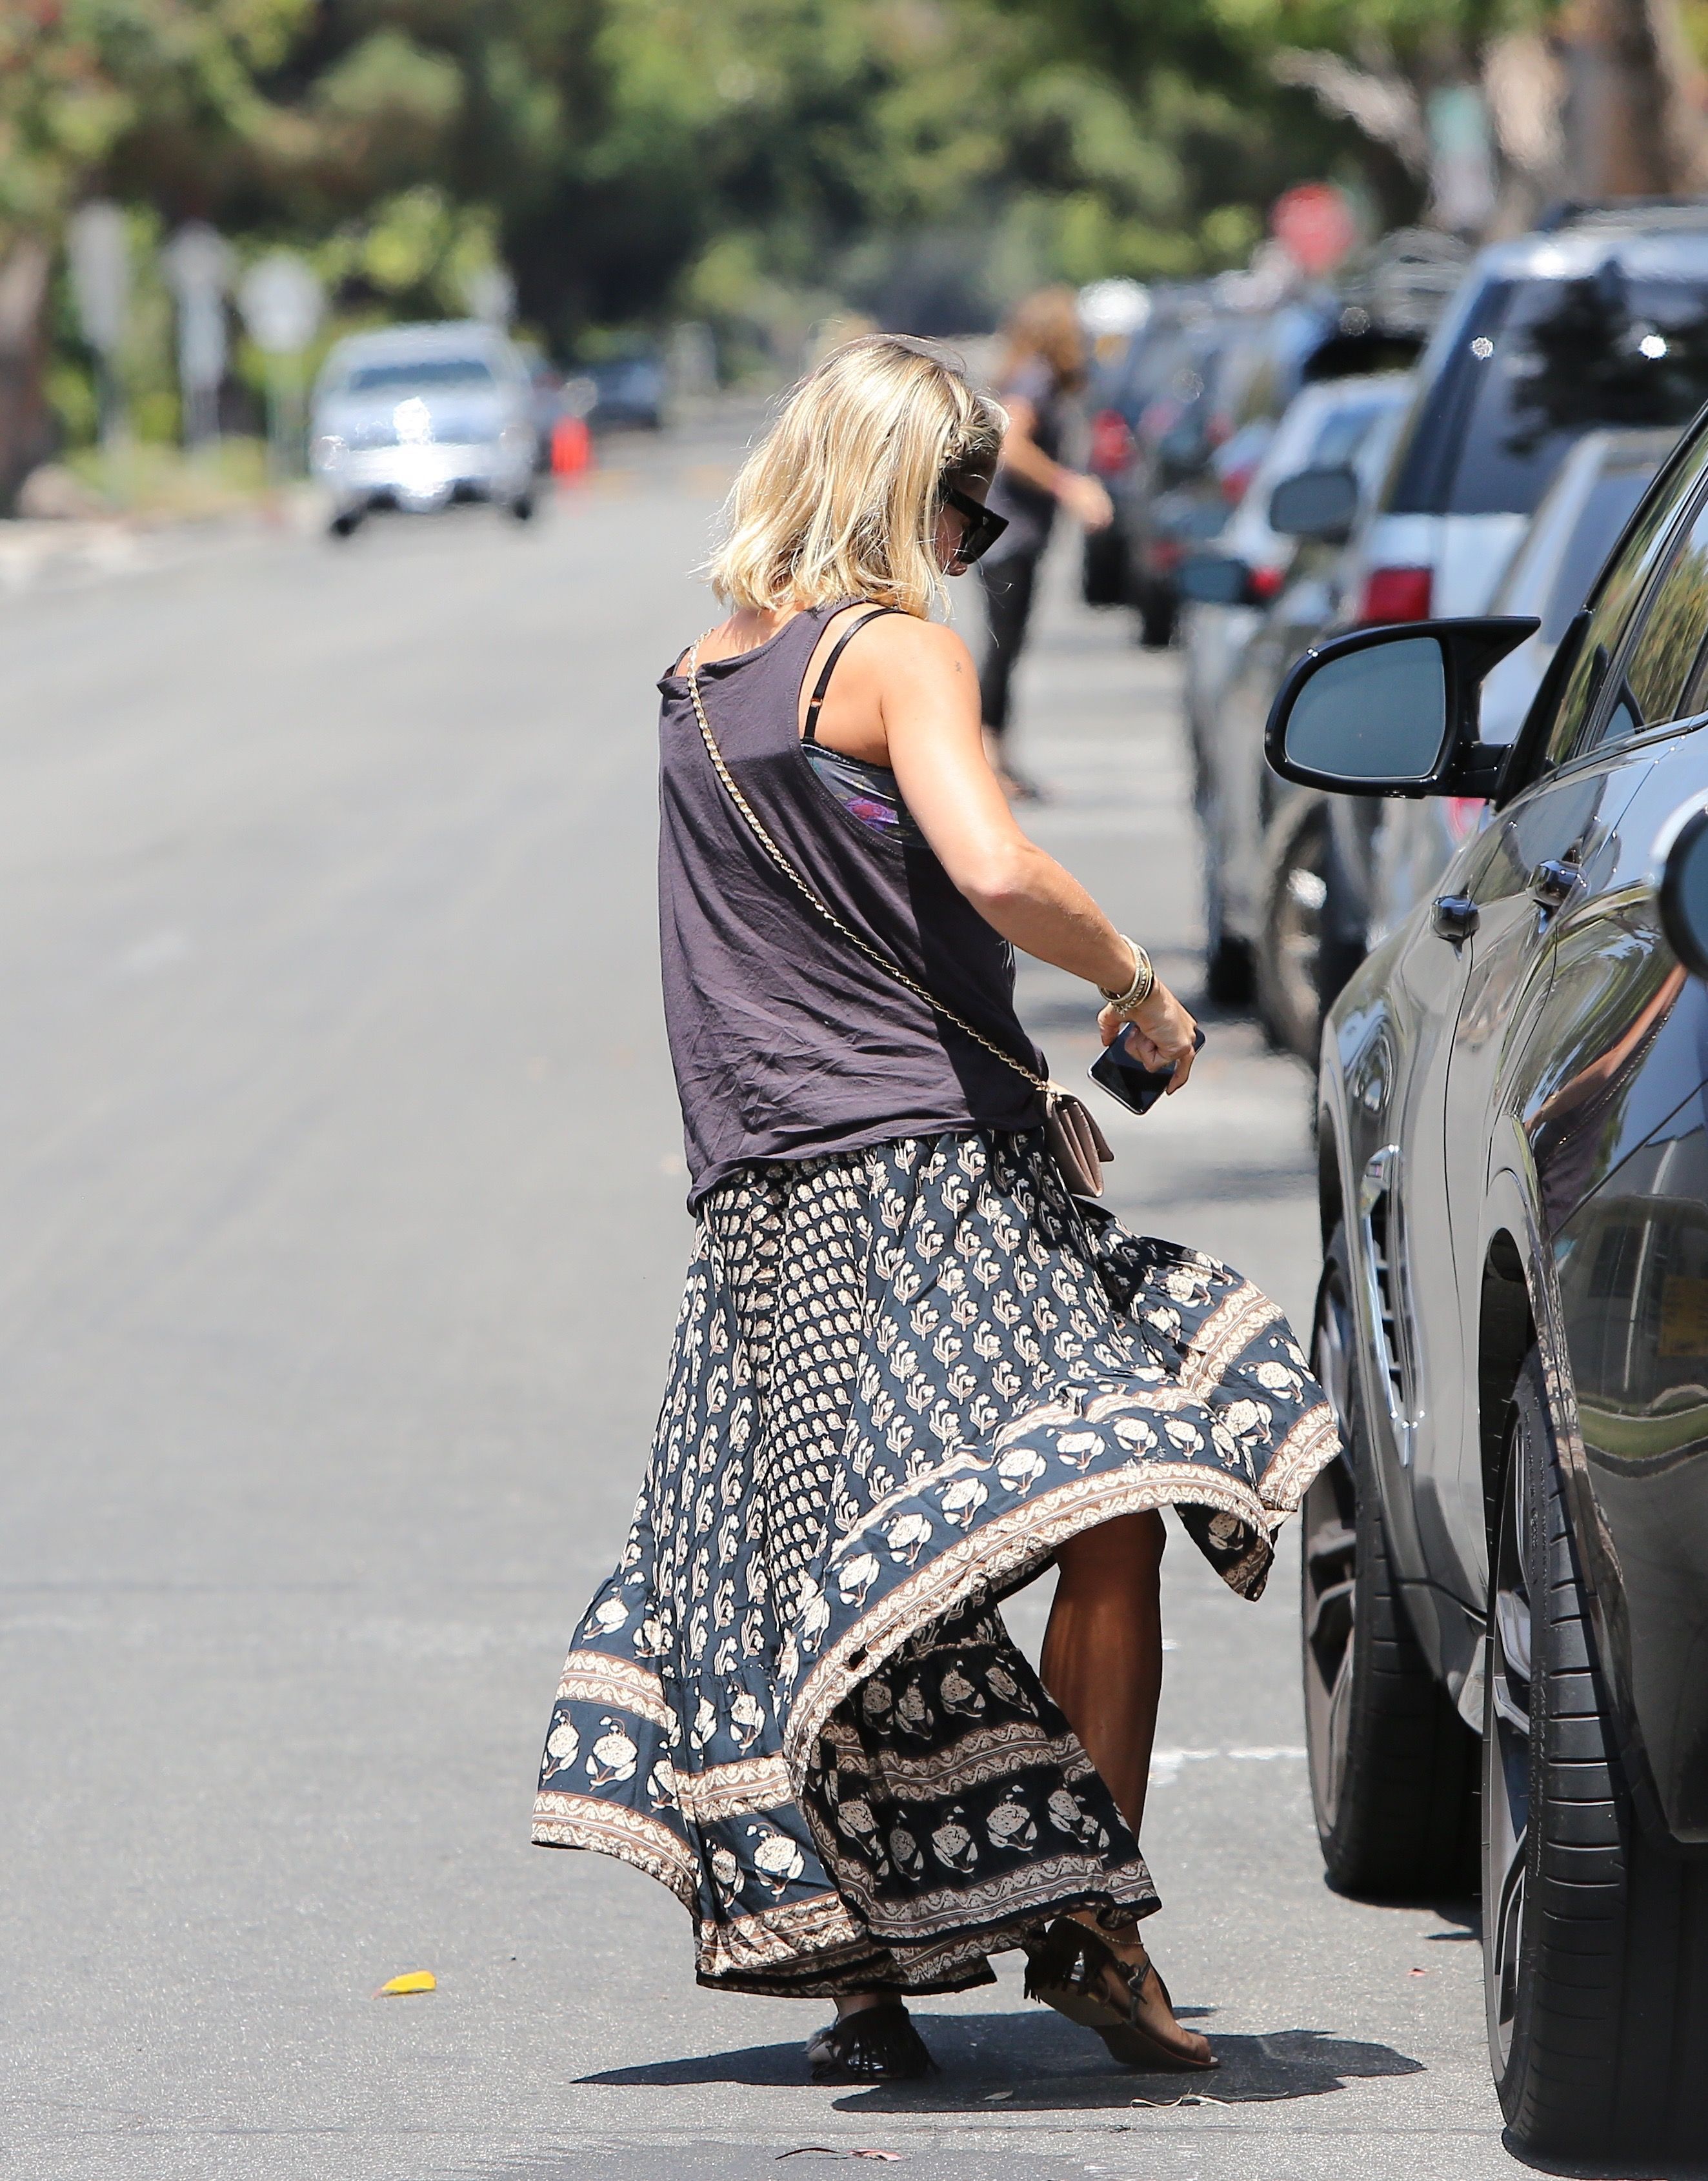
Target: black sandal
[
  {"x": 877, "y": 2045},
  {"x": 1068, "y": 1969}
]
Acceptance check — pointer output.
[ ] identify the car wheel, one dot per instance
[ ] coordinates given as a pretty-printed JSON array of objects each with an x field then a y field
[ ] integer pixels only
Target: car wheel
[
  {"x": 345, "y": 523},
  {"x": 1393, "y": 1770},
  {"x": 1103, "y": 580},
  {"x": 521, "y": 509},
  {"x": 1595, "y": 1946},
  {"x": 1290, "y": 952}
]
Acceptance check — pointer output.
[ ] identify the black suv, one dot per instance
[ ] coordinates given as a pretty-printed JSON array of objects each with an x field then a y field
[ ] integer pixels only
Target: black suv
[{"x": 1505, "y": 1579}]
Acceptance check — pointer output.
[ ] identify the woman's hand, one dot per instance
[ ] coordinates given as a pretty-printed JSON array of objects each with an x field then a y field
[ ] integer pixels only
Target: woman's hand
[
  {"x": 1163, "y": 1034},
  {"x": 1085, "y": 500}
]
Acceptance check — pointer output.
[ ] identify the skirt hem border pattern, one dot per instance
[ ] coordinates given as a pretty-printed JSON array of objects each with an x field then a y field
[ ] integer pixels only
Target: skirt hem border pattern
[{"x": 819, "y": 1929}]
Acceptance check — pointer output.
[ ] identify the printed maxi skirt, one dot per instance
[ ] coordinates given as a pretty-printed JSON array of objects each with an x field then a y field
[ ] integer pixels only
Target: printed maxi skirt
[{"x": 901, "y": 1377}]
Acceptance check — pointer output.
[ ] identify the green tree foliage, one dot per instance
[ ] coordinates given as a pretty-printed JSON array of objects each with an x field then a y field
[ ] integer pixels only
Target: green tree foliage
[{"x": 756, "y": 161}]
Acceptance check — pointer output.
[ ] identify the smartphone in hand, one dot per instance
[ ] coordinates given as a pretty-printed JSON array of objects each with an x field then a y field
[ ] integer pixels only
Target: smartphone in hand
[{"x": 1124, "y": 1075}]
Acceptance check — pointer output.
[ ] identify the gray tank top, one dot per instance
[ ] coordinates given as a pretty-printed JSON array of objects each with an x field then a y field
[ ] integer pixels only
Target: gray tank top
[{"x": 786, "y": 1042}]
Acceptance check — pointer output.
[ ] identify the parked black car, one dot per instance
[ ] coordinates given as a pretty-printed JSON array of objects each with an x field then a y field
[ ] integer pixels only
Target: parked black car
[
  {"x": 1159, "y": 379},
  {"x": 629, "y": 394},
  {"x": 1199, "y": 444},
  {"x": 1513, "y": 1324}
]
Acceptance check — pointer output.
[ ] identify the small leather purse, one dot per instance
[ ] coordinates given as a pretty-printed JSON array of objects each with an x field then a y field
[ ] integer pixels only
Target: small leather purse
[{"x": 1078, "y": 1145}]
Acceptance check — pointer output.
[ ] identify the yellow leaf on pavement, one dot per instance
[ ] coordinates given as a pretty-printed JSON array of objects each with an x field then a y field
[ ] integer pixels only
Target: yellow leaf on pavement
[{"x": 414, "y": 1980}]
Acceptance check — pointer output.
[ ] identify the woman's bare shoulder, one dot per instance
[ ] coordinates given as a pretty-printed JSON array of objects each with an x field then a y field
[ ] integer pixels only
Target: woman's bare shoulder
[{"x": 904, "y": 642}]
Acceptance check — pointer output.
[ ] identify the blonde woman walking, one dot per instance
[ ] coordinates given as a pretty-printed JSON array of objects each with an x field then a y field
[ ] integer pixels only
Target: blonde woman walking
[{"x": 912, "y": 1369}]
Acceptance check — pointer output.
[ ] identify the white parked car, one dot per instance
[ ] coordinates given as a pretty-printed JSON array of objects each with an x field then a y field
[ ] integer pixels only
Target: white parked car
[
  {"x": 1597, "y": 323},
  {"x": 417, "y": 416},
  {"x": 1325, "y": 425}
]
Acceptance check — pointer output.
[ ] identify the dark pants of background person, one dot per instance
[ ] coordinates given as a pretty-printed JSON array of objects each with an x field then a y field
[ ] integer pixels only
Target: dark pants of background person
[{"x": 1009, "y": 584}]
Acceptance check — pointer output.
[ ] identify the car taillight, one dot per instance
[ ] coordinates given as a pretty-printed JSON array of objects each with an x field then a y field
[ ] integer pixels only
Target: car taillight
[
  {"x": 1396, "y": 594},
  {"x": 1112, "y": 442},
  {"x": 1265, "y": 582},
  {"x": 1464, "y": 814},
  {"x": 1234, "y": 484}
]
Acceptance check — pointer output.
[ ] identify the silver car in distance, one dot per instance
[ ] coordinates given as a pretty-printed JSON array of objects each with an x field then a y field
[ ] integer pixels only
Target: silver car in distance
[{"x": 417, "y": 416}]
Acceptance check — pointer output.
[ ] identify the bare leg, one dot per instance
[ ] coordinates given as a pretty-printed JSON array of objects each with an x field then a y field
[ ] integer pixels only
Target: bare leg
[
  {"x": 1103, "y": 1663},
  {"x": 1102, "y": 1660}
]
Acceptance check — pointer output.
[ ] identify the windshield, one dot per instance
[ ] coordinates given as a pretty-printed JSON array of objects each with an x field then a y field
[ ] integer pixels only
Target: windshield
[
  {"x": 1344, "y": 429},
  {"x": 426, "y": 375},
  {"x": 1545, "y": 361}
]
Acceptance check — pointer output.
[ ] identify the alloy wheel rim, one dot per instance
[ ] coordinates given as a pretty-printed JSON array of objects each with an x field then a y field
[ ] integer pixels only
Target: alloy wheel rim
[
  {"x": 1507, "y": 1762},
  {"x": 1329, "y": 1545}
]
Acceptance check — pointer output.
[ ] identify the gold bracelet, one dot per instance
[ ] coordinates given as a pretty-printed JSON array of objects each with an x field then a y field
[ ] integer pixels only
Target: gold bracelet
[{"x": 1143, "y": 982}]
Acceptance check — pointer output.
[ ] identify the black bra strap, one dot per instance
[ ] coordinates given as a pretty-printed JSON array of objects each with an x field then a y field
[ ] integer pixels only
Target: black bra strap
[{"x": 810, "y": 731}]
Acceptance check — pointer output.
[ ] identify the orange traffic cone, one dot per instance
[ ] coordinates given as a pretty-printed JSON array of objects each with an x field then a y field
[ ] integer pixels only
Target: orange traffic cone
[{"x": 572, "y": 447}]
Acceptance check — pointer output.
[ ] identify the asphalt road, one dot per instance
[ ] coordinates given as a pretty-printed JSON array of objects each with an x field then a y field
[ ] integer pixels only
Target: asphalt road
[{"x": 342, "y": 1197}]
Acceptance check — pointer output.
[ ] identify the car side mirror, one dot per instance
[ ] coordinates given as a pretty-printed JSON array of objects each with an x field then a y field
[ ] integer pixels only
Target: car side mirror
[
  {"x": 1320, "y": 504},
  {"x": 1215, "y": 579},
  {"x": 1682, "y": 889},
  {"x": 1393, "y": 711}
]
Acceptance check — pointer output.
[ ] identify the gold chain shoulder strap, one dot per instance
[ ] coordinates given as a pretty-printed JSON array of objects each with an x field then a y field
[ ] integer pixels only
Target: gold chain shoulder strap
[{"x": 823, "y": 908}]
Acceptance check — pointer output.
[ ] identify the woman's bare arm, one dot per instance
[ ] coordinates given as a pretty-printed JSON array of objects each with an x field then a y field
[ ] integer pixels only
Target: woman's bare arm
[
  {"x": 1083, "y": 497},
  {"x": 927, "y": 694}
]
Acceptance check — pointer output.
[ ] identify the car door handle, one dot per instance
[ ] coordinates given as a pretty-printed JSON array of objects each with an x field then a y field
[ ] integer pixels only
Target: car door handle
[
  {"x": 1553, "y": 883},
  {"x": 1454, "y": 916}
]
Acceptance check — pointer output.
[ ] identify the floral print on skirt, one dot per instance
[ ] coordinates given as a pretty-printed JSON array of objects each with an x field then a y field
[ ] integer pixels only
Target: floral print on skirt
[{"x": 901, "y": 1376}]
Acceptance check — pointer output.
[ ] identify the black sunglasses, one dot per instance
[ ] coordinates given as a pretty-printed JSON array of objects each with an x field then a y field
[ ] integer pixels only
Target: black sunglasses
[{"x": 982, "y": 527}]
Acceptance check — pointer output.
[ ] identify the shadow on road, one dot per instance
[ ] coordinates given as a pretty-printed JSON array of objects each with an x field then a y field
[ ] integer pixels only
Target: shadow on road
[
  {"x": 1032, "y": 2062},
  {"x": 1644, "y": 2168}
]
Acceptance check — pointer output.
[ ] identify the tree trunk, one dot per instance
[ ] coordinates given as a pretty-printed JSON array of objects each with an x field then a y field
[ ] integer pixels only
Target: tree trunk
[
  {"x": 1633, "y": 127},
  {"x": 24, "y": 427}
]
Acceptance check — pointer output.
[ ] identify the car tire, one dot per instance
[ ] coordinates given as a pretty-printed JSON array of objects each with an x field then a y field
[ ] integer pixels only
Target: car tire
[
  {"x": 1103, "y": 577},
  {"x": 521, "y": 509},
  {"x": 1392, "y": 1766},
  {"x": 1229, "y": 971},
  {"x": 1289, "y": 962},
  {"x": 346, "y": 523},
  {"x": 1595, "y": 1933}
]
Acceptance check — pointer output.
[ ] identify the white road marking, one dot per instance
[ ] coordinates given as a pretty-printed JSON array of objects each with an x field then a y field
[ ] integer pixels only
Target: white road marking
[{"x": 1165, "y": 1763}]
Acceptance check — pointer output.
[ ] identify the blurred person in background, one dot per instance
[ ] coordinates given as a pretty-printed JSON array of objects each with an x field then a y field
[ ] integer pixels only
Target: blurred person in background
[
  {"x": 1041, "y": 368},
  {"x": 912, "y": 1371}
]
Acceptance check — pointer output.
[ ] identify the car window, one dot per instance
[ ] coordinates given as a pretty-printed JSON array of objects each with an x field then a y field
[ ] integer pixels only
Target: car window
[
  {"x": 1621, "y": 589},
  {"x": 1608, "y": 506},
  {"x": 414, "y": 374},
  {"x": 1343, "y": 431},
  {"x": 1534, "y": 367},
  {"x": 1667, "y": 651}
]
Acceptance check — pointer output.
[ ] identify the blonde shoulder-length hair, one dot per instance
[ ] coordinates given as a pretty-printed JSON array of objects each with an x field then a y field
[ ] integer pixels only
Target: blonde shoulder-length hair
[{"x": 840, "y": 499}]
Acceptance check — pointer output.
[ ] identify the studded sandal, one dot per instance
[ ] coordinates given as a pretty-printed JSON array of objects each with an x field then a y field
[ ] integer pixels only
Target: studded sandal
[
  {"x": 877, "y": 2045},
  {"x": 1127, "y": 2003}
]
